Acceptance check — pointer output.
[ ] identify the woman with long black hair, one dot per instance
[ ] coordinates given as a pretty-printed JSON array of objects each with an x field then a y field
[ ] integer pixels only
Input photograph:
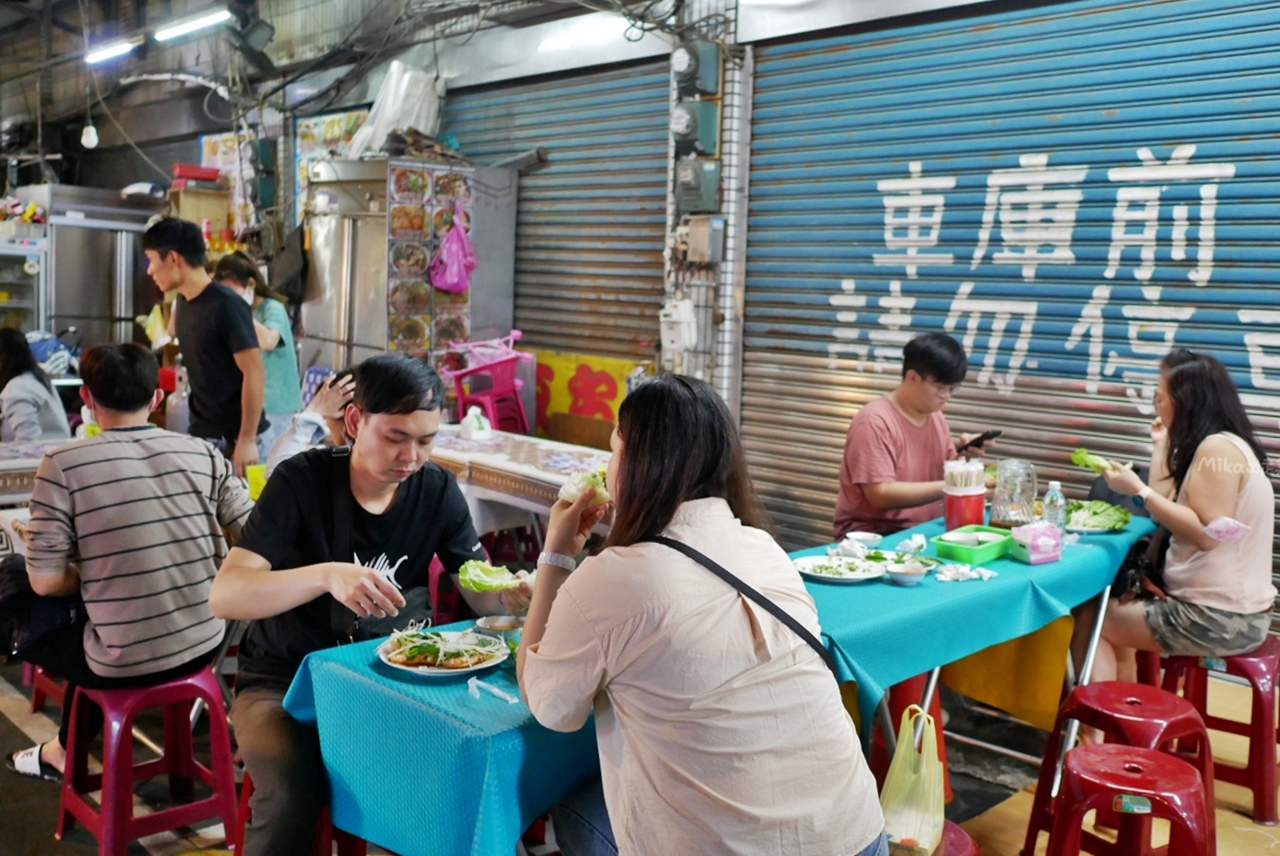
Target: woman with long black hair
[
  {"x": 1210, "y": 489},
  {"x": 29, "y": 408},
  {"x": 721, "y": 730}
]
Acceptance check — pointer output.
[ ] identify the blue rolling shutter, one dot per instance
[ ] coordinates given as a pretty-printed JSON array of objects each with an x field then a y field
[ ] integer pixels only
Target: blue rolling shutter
[
  {"x": 1071, "y": 190},
  {"x": 590, "y": 224}
]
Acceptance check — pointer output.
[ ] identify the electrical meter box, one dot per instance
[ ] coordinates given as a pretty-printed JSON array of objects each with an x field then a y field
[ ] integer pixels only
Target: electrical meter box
[
  {"x": 695, "y": 126},
  {"x": 697, "y": 186},
  {"x": 696, "y": 67}
]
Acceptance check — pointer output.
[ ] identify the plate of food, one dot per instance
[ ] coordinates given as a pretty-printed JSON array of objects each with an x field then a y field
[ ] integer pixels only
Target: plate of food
[
  {"x": 849, "y": 569},
  {"x": 409, "y": 185},
  {"x": 441, "y": 653},
  {"x": 1095, "y": 517},
  {"x": 409, "y": 259},
  {"x": 411, "y": 298}
]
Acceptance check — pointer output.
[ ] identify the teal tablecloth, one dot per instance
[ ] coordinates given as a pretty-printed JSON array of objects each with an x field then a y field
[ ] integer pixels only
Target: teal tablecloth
[
  {"x": 419, "y": 767},
  {"x": 882, "y": 634}
]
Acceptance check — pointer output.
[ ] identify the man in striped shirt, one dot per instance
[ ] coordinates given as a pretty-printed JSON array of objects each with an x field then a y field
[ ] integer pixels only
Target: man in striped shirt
[{"x": 133, "y": 522}]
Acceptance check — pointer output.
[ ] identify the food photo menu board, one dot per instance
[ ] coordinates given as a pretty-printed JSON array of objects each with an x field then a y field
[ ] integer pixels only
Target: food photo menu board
[
  {"x": 316, "y": 138},
  {"x": 421, "y": 210}
]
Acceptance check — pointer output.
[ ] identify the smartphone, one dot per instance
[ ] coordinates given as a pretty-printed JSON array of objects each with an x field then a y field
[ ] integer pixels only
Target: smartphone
[{"x": 984, "y": 437}]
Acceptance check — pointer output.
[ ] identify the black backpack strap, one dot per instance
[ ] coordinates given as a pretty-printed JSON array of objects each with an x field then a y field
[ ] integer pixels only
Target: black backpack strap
[
  {"x": 753, "y": 595},
  {"x": 341, "y": 619}
]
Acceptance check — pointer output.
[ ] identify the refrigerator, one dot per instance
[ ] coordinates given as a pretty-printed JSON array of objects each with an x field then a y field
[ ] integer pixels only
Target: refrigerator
[
  {"x": 96, "y": 272},
  {"x": 373, "y": 229},
  {"x": 24, "y": 263}
]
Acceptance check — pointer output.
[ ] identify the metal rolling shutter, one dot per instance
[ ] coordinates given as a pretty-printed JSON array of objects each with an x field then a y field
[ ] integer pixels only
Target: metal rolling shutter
[
  {"x": 1082, "y": 135},
  {"x": 590, "y": 227}
]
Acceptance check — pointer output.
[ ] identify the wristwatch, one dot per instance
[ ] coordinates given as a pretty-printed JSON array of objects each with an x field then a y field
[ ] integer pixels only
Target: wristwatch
[
  {"x": 1140, "y": 499},
  {"x": 559, "y": 560}
]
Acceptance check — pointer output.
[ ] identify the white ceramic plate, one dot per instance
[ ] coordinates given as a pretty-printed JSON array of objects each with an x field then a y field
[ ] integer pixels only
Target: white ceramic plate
[
  {"x": 855, "y": 570},
  {"x": 434, "y": 672},
  {"x": 1088, "y": 530}
]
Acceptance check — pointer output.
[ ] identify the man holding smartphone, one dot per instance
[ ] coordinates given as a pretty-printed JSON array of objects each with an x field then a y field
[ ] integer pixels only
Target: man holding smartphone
[{"x": 891, "y": 476}]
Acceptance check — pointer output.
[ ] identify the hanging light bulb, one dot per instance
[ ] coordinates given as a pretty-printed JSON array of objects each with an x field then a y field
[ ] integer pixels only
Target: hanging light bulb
[{"x": 89, "y": 136}]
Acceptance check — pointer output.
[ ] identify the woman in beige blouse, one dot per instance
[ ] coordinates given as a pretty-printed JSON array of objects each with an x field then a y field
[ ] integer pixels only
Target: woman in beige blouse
[
  {"x": 1208, "y": 476},
  {"x": 720, "y": 730}
]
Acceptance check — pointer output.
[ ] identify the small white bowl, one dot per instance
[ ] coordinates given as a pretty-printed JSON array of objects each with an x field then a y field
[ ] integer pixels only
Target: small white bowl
[
  {"x": 869, "y": 538},
  {"x": 907, "y": 578},
  {"x": 500, "y": 623}
]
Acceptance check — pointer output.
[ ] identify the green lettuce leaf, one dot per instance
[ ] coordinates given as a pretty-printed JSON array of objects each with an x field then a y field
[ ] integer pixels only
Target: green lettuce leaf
[
  {"x": 1097, "y": 514},
  {"x": 579, "y": 482},
  {"x": 482, "y": 576},
  {"x": 1084, "y": 458}
]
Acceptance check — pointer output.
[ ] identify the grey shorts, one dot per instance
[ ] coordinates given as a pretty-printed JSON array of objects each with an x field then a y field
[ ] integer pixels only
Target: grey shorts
[{"x": 1203, "y": 631}]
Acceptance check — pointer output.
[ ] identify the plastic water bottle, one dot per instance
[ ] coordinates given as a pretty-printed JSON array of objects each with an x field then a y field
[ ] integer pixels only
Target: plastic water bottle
[{"x": 1055, "y": 506}]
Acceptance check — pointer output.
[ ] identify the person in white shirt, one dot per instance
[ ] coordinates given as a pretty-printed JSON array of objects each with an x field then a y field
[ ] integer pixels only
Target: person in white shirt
[{"x": 721, "y": 731}]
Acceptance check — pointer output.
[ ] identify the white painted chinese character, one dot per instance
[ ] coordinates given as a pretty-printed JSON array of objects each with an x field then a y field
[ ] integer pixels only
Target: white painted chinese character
[
  {"x": 1092, "y": 326},
  {"x": 1261, "y": 363},
  {"x": 1035, "y": 223},
  {"x": 1152, "y": 329},
  {"x": 913, "y": 220},
  {"x": 1136, "y": 219},
  {"x": 1001, "y": 312},
  {"x": 883, "y": 346}
]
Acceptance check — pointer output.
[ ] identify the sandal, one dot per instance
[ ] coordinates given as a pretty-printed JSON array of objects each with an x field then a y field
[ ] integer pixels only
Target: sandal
[{"x": 28, "y": 763}]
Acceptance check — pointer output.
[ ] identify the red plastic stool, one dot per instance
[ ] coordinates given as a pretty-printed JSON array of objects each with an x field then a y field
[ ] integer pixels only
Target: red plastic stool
[
  {"x": 1134, "y": 715},
  {"x": 326, "y": 832},
  {"x": 44, "y": 686},
  {"x": 956, "y": 842},
  {"x": 115, "y": 826},
  {"x": 1139, "y": 784},
  {"x": 1262, "y": 670}
]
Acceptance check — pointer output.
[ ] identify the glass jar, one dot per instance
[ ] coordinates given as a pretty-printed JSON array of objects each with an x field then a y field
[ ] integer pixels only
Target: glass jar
[{"x": 1015, "y": 496}]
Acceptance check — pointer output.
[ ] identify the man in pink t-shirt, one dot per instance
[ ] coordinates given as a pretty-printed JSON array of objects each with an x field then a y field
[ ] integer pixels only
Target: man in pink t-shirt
[{"x": 891, "y": 476}]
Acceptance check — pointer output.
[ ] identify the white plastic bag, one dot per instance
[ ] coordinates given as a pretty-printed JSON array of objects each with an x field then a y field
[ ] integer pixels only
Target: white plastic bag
[
  {"x": 913, "y": 800},
  {"x": 407, "y": 98}
]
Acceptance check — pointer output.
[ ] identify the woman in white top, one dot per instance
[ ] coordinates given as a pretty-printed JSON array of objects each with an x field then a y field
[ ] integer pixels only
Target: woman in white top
[
  {"x": 720, "y": 730},
  {"x": 29, "y": 408},
  {"x": 1209, "y": 488}
]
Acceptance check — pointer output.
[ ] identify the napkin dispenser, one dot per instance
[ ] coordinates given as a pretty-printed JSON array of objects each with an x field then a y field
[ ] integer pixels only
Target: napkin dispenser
[{"x": 1037, "y": 543}]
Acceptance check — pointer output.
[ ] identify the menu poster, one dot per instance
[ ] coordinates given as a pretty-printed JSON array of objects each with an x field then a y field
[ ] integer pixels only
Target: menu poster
[{"x": 319, "y": 137}]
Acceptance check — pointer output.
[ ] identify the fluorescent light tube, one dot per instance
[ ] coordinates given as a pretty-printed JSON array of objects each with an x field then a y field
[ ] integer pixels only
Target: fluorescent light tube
[
  {"x": 191, "y": 25},
  {"x": 110, "y": 51}
]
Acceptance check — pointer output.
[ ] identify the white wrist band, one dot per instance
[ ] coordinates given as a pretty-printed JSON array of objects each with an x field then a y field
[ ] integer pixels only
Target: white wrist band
[
  {"x": 558, "y": 560},
  {"x": 1145, "y": 492}
]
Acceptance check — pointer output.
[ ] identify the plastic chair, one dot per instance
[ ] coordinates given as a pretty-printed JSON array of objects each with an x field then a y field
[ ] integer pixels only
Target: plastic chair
[
  {"x": 44, "y": 686},
  {"x": 312, "y": 380},
  {"x": 499, "y": 399},
  {"x": 1262, "y": 670},
  {"x": 956, "y": 842},
  {"x": 1133, "y": 715},
  {"x": 326, "y": 833},
  {"x": 115, "y": 824},
  {"x": 1139, "y": 784}
]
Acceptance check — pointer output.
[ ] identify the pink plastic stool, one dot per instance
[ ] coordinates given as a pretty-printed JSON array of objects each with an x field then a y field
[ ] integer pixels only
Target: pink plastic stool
[
  {"x": 1138, "y": 784},
  {"x": 115, "y": 825},
  {"x": 44, "y": 686},
  {"x": 1132, "y": 715},
  {"x": 1262, "y": 670},
  {"x": 501, "y": 400}
]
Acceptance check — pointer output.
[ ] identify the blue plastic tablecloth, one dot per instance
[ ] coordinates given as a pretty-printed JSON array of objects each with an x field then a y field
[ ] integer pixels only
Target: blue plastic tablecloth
[
  {"x": 419, "y": 767},
  {"x": 882, "y": 634}
]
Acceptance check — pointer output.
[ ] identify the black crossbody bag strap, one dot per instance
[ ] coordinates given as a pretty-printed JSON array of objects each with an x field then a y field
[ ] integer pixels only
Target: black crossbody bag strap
[
  {"x": 753, "y": 595},
  {"x": 341, "y": 619}
]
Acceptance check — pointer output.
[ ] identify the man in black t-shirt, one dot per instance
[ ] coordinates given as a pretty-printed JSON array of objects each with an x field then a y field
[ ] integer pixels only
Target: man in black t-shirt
[
  {"x": 218, "y": 341},
  {"x": 338, "y": 540}
]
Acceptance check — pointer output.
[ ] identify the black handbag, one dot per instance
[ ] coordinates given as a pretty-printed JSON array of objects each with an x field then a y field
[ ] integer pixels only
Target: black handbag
[
  {"x": 1145, "y": 561},
  {"x": 26, "y": 617},
  {"x": 753, "y": 595}
]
